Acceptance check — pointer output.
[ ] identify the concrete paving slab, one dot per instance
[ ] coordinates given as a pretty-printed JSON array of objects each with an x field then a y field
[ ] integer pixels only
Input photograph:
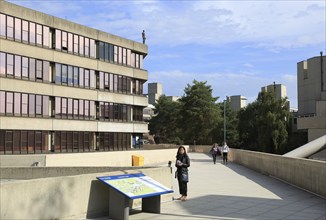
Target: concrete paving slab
[{"x": 234, "y": 192}]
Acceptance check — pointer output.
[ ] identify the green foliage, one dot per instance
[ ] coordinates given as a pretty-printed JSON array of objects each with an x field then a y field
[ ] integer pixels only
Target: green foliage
[
  {"x": 199, "y": 113},
  {"x": 263, "y": 124},
  {"x": 164, "y": 125}
]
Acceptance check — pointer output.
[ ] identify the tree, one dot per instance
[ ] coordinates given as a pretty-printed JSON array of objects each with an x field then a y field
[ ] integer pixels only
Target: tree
[
  {"x": 164, "y": 125},
  {"x": 199, "y": 113},
  {"x": 263, "y": 124}
]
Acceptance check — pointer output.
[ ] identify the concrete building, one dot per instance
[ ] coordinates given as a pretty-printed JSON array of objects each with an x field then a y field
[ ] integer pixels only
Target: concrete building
[
  {"x": 278, "y": 89},
  {"x": 312, "y": 96},
  {"x": 237, "y": 102},
  {"x": 154, "y": 92},
  {"x": 65, "y": 87}
]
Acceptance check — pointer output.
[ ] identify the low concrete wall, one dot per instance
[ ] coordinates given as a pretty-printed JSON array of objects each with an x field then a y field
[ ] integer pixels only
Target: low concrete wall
[
  {"x": 304, "y": 173},
  {"x": 112, "y": 158},
  {"x": 73, "y": 197}
]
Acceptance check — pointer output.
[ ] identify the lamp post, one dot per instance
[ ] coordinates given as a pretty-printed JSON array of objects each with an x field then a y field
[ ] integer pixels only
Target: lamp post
[{"x": 225, "y": 120}]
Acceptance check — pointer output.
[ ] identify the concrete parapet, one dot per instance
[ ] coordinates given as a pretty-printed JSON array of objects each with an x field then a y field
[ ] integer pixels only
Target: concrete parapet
[
  {"x": 112, "y": 158},
  {"x": 80, "y": 196},
  {"x": 307, "y": 174}
]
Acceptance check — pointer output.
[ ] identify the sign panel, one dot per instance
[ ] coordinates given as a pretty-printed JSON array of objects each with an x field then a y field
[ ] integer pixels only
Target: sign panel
[{"x": 136, "y": 185}]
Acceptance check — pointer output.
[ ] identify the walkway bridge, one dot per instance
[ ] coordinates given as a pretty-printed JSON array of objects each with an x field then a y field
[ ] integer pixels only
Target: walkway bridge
[{"x": 235, "y": 192}]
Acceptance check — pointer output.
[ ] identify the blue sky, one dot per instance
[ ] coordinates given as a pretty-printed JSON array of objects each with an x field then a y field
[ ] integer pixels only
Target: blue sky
[{"x": 236, "y": 46}]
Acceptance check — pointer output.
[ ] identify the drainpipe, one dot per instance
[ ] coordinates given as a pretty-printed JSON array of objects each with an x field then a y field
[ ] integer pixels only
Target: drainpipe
[{"x": 321, "y": 71}]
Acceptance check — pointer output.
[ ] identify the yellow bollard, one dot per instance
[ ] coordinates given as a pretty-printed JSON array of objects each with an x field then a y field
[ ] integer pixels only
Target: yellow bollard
[{"x": 137, "y": 160}]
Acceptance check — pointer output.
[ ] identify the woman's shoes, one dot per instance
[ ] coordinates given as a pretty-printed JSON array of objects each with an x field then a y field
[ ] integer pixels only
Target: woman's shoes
[
  {"x": 180, "y": 198},
  {"x": 184, "y": 198}
]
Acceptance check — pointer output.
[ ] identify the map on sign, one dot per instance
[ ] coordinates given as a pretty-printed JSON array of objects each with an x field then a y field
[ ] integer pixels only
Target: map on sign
[{"x": 135, "y": 185}]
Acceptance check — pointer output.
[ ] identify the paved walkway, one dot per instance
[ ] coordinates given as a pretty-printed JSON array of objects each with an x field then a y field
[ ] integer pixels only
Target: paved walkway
[{"x": 235, "y": 192}]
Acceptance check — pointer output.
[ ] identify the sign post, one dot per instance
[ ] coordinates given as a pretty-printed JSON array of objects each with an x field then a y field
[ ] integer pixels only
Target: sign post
[{"x": 124, "y": 188}]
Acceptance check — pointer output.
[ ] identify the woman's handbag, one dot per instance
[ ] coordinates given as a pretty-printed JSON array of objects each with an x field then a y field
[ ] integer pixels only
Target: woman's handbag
[{"x": 184, "y": 177}]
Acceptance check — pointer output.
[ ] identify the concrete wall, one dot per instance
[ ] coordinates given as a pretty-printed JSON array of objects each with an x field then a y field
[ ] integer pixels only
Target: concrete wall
[
  {"x": 307, "y": 174},
  {"x": 304, "y": 173},
  {"x": 112, "y": 158},
  {"x": 71, "y": 197}
]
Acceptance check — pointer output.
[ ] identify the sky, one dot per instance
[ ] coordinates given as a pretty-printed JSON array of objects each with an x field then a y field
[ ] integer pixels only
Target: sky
[{"x": 237, "y": 46}]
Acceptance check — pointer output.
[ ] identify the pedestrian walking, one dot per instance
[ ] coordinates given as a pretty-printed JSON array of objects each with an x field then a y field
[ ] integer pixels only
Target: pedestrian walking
[
  {"x": 225, "y": 151},
  {"x": 182, "y": 164},
  {"x": 215, "y": 151}
]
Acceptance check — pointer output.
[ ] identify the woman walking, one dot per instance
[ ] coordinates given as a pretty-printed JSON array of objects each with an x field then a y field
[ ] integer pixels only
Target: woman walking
[
  {"x": 225, "y": 150},
  {"x": 182, "y": 164}
]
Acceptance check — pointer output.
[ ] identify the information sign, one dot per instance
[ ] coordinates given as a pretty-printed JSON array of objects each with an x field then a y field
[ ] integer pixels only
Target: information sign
[{"x": 136, "y": 185}]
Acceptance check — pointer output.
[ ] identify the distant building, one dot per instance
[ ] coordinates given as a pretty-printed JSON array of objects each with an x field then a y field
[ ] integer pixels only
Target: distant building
[
  {"x": 312, "y": 96},
  {"x": 237, "y": 102},
  {"x": 278, "y": 89},
  {"x": 154, "y": 92},
  {"x": 173, "y": 98}
]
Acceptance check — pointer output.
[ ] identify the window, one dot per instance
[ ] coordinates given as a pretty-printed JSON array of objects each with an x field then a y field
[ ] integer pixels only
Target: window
[
  {"x": 25, "y": 67},
  {"x": 2, "y": 25},
  {"x": 10, "y": 64},
  {"x": 24, "y": 104},
  {"x": 70, "y": 108},
  {"x": 64, "y": 107},
  {"x": 86, "y": 78},
  {"x": 81, "y": 45},
  {"x": 32, "y": 33},
  {"x": 39, "y": 70},
  {"x": 86, "y": 47},
  {"x": 76, "y": 44},
  {"x": 18, "y": 66},
  {"x": 46, "y": 32},
  {"x": 64, "y": 41},
  {"x": 25, "y": 31},
  {"x": 32, "y": 68},
  {"x": 76, "y": 74},
  {"x": 10, "y": 27},
  {"x": 70, "y": 76},
  {"x": 70, "y": 43},
  {"x": 31, "y": 105},
  {"x": 38, "y": 105},
  {"x": 46, "y": 69},
  {"x": 9, "y": 102},
  {"x": 57, "y": 107},
  {"x": 58, "y": 73},
  {"x": 64, "y": 74},
  {"x": 18, "y": 29},
  {"x": 58, "y": 39},
  {"x": 81, "y": 77},
  {"x": 45, "y": 104},
  {"x": 75, "y": 109},
  {"x": 2, "y": 102},
  {"x": 17, "y": 104},
  {"x": 92, "y": 48},
  {"x": 39, "y": 34},
  {"x": 2, "y": 63}
]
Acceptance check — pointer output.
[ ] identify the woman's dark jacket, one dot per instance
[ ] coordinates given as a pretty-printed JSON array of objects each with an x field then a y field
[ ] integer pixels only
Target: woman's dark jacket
[{"x": 186, "y": 163}]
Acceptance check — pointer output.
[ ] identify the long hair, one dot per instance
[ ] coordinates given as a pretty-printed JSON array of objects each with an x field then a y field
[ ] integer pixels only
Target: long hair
[{"x": 185, "y": 152}]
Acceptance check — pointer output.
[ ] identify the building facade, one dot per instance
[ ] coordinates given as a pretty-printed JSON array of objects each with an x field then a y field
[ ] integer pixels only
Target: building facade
[
  {"x": 311, "y": 79},
  {"x": 65, "y": 87},
  {"x": 278, "y": 89},
  {"x": 154, "y": 92},
  {"x": 237, "y": 102}
]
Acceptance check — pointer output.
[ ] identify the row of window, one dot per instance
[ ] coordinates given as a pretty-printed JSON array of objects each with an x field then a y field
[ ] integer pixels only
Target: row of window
[
  {"x": 28, "y": 32},
  {"x": 20, "y": 67},
  {"x": 32, "y": 105},
  {"x": 115, "y": 54},
  {"x": 23, "y": 142},
  {"x": 24, "y": 31},
  {"x": 31, "y": 142},
  {"x": 75, "y": 44}
]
